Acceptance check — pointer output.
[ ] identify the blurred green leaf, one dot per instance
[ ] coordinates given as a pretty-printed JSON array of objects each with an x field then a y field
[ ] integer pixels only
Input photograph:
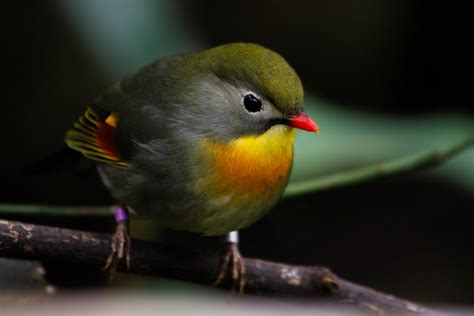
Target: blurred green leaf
[{"x": 350, "y": 140}]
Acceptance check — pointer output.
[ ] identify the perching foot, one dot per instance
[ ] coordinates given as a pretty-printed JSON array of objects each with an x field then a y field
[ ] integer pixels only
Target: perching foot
[
  {"x": 121, "y": 242},
  {"x": 231, "y": 257}
]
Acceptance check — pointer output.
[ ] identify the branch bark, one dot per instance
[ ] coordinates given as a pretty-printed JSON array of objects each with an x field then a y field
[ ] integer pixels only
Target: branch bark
[{"x": 36, "y": 242}]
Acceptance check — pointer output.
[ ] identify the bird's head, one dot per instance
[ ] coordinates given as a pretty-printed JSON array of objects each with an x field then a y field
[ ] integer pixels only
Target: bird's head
[{"x": 245, "y": 89}]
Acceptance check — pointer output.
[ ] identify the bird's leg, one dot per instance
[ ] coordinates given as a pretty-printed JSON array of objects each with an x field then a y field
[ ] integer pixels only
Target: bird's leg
[
  {"x": 231, "y": 256},
  {"x": 120, "y": 242}
]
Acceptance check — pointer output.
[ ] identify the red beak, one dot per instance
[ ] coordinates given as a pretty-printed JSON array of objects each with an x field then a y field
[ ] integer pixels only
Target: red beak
[{"x": 304, "y": 122}]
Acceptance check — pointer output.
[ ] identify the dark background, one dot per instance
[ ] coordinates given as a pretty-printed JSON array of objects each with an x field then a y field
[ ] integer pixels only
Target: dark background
[{"x": 410, "y": 236}]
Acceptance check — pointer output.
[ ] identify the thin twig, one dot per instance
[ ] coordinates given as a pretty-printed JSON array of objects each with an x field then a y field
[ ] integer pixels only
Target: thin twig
[
  {"x": 36, "y": 242},
  {"x": 382, "y": 170},
  {"x": 56, "y": 210},
  {"x": 340, "y": 179}
]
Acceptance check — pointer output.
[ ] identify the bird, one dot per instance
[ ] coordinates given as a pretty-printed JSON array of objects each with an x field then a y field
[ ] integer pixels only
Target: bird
[{"x": 201, "y": 142}]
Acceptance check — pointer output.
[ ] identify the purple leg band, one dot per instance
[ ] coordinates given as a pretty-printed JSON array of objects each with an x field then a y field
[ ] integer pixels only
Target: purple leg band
[{"x": 121, "y": 214}]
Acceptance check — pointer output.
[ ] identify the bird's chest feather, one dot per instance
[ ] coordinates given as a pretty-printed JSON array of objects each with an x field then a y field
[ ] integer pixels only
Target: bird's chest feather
[
  {"x": 249, "y": 166},
  {"x": 237, "y": 183}
]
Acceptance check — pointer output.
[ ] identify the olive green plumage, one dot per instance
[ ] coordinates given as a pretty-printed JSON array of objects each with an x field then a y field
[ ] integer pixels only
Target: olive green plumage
[
  {"x": 174, "y": 113},
  {"x": 260, "y": 68}
]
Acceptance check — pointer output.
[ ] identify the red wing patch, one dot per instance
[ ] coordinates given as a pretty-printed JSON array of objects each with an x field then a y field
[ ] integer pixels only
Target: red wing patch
[{"x": 95, "y": 138}]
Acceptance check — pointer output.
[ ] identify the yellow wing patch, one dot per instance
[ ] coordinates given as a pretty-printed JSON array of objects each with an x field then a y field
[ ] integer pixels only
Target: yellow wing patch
[{"x": 95, "y": 138}]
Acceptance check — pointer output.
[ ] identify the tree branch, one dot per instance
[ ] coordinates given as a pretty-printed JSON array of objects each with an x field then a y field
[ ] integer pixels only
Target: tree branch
[{"x": 36, "y": 242}]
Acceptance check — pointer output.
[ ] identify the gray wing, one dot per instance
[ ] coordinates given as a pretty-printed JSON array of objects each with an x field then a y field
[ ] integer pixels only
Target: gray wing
[{"x": 151, "y": 141}]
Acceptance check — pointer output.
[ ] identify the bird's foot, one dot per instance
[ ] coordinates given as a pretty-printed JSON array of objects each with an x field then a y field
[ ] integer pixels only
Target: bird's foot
[
  {"x": 232, "y": 257},
  {"x": 120, "y": 246}
]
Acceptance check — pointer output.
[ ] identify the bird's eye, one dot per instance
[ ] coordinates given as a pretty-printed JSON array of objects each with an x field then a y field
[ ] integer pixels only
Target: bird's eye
[{"x": 252, "y": 104}]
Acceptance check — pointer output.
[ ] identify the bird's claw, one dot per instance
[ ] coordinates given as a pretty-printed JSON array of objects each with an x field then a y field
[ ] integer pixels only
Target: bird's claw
[
  {"x": 120, "y": 251},
  {"x": 232, "y": 257}
]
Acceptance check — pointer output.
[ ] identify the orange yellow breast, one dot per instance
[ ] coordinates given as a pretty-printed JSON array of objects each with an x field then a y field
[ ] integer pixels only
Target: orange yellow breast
[{"x": 252, "y": 165}]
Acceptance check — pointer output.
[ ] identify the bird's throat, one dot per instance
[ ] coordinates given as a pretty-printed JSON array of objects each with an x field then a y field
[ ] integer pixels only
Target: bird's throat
[{"x": 251, "y": 164}]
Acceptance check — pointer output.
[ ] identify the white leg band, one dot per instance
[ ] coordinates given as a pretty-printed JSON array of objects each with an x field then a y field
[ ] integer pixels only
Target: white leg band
[{"x": 233, "y": 237}]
